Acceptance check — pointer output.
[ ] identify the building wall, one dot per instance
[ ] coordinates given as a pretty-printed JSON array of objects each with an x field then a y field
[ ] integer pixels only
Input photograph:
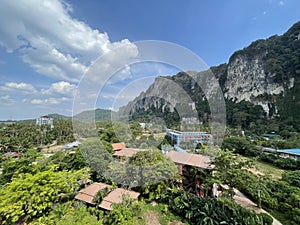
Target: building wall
[
  {"x": 44, "y": 121},
  {"x": 198, "y": 137}
]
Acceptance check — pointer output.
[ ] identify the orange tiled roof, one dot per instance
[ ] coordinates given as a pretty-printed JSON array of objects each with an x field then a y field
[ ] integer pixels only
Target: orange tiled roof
[
  {"x": 118, "y": 146},
  {"x": 88, "y": 194},
  {"x": 116, "y": 197},
  {"x": 200, "y": 161},
  {"x": 127, "y": 152},
  {"x": 11, "y": 154}
]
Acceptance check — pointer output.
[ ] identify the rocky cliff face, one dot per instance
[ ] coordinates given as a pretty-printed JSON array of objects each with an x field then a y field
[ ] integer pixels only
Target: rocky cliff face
[
  {"x": 247, "y": 80},
  {"x": 261, "y": 73},
  {"x": 163, "y": 94}
]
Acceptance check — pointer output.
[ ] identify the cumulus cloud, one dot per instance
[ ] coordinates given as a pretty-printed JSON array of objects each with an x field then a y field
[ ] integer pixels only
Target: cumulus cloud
[
  {"x": 49, "y": 39},
  {"x": 22, "y": 87},
  {"x": 61, "y": 88},
  {"x": 49, "y": 101}
]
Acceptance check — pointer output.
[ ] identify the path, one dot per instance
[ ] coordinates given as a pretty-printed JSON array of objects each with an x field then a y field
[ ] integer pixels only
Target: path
[
  {"x": 151, "y": 218},
  {"x": 242, "y": 200}
]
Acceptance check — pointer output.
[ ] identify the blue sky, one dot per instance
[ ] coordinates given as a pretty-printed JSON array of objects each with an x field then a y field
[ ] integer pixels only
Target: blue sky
[{"x": 47, "y": 46}]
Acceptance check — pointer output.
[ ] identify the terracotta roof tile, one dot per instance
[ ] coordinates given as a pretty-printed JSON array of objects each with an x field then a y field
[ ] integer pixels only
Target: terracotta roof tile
[
  {"x": 88, "y": 194},
  {"x": 128, "y": 152},
  {"x": 179, "y": 157},
  {"x": 116, "y": 197},
  {"x": 118, "y": 146},
  {"x": 200, "y": 161}
]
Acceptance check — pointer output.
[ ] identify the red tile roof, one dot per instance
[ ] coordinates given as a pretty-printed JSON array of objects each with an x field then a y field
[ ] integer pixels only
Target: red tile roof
[
  {"x": 118, "y": 146},
  {"x": 116, "y": 196},
  {"x": 127, "y": 152},
  {"x": 88, "y": 194},
  {"x": 11, "y": 154},
  {"x": 200, "y": 161}
]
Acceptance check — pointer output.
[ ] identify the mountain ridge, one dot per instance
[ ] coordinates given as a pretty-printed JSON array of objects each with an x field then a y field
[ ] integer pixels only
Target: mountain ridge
[{"x": 265, "y": 74}]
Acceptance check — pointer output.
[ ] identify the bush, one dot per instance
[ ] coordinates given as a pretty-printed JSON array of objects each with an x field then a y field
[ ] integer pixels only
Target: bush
[
  {"x": 286, "y": 163},
  {"x": 292, "y": 177},
  {"x": 267, "y": 219}
]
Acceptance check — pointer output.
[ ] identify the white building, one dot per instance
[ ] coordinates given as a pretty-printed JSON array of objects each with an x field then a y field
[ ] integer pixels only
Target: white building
[
  {"x": 196, "y": 136},
  {"x": 44, "y": 120}
]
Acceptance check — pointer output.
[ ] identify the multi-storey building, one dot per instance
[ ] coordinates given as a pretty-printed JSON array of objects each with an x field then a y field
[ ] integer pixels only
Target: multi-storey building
[
  {"x": 44, "y": 120},
  {"x": 189, "y": 136}
]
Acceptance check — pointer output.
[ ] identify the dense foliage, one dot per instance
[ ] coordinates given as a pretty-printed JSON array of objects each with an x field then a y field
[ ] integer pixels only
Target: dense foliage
[
  {"x": 280, "y": 196},
  {"x": 204, "y": 211},
  {"x": 21, "y": 136},
  {"x": 29, "y": 196}
]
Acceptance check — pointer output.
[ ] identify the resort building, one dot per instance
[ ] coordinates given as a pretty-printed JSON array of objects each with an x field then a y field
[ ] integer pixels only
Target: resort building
[
  {"x": 118, "y": 146},
  {"x": 198, "y": 137},
  {"x": 125, "y": 153},
  {"x": 89, "y": 193},
  {"x": 44, "y": 120},
  {"x": 293, "y": 153},
  {"x": 192, "y": 167}
]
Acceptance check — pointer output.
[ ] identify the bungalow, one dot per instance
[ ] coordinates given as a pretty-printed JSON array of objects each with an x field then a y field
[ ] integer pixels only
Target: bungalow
[
  {"x": 192, "y": 179},
  {"x": 115, "y": 196},
  {"x": 118, "y": 146},
  {"x": 14, "y": 155},
  {"x": 126, "y": 153},
  {"x": 88, "y": 194}
]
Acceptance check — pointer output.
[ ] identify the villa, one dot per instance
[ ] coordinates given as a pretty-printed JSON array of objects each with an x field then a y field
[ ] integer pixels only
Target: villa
[{"x": 89, "y": 193}]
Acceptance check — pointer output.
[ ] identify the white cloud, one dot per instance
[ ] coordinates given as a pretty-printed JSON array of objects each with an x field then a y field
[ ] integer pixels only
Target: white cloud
[
  {"x": 49, "y": 39},
  {"x": 281, "y": 3},
  {"x": 61, "y": 88},
  {"x": 6, "y": 100},
  {"x": 49, "y": 101},
  {"x": 124, "y": 73},
  {"x": 22, "y": 87}
]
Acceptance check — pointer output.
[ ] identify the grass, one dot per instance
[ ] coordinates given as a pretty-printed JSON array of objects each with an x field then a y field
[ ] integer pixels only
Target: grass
[
  {"x": 266, "y": 169},
  {"x": 165, "y": 216},
  {"x": 281, "y": 217}
]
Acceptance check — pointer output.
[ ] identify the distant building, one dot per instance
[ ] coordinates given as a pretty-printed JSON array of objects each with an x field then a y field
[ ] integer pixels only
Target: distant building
[
  {"x": 271, "y": 136},
  {"x": 146, "y": 125},
  {"x": 44, "y": 120},
  {"x": 189, "y": 136},
  {"x": 71, "y": 145},
  {"x": 293, "y": 153},
  {"x": 190, "y": 120}
]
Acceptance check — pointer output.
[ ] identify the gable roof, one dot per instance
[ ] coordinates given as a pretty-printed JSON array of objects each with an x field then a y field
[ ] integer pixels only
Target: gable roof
[
  {"x": 88, "y": 194},
  {"x": 11, "y": 154},
  {"x": 127, "y": 152},
  {"x": 118, "y": 146},
  {"x": 200, "y": 161},
  {"x": 116, "y": 196}
]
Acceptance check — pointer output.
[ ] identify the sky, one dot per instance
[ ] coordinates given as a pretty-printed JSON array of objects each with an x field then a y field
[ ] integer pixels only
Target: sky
[{"x": 48, "y": 47}]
